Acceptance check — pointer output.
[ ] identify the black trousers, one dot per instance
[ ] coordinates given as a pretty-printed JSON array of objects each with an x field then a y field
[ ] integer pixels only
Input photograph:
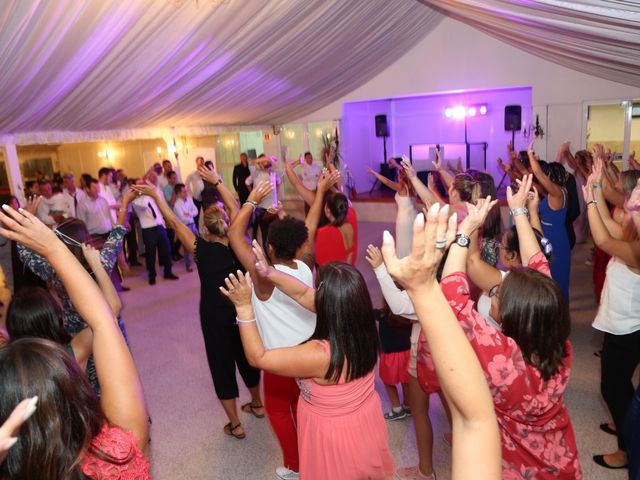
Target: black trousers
[
  {"x": 155, "y": 239},
  {"x": 224, "y": 353},
  {"x": 619, "y": 359}
]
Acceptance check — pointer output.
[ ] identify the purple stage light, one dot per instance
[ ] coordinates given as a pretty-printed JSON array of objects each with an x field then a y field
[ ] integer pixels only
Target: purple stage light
[
  {"x": 483, "y": 109},
  {"x": 472, "y": 111},
  {"x": 448, "y": 112}
]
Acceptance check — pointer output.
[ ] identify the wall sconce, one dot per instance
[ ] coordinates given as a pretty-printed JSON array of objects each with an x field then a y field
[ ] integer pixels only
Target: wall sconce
[
  {"x": 290, "y": 134},
  {"x": 318, "y": 132},
  {"x": 106, "y": 153}
]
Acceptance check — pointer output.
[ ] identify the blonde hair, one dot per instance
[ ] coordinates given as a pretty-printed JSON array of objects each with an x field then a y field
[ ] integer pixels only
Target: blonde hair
[
  {"x": 216, "y": 220},
  {"x": 467, "y": 186}
]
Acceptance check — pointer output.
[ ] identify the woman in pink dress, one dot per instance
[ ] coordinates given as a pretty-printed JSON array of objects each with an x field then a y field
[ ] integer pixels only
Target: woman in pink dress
[
  {"x": 71, "y": 433},
  {"x": 341, "y": 430}
]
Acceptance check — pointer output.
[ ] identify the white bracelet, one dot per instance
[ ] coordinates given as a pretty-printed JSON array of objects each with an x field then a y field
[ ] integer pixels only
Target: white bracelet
[{"x": 240, "y": 322}]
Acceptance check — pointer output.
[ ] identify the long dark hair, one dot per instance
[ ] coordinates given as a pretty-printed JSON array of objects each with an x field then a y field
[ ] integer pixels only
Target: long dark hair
[
  {"x": 34, "y": 312},
  {"x": 493, "y": 223},
  {"x": 68, "y": 417},
  {"x": 513, "y": 242},
  {"x": 338, "y": 205},
  {"x": 534, "y": 313},
  {"x": 76, "y": 229},
  {"x": 556, "y": 173},
  {"x": 345, "y": 318}
]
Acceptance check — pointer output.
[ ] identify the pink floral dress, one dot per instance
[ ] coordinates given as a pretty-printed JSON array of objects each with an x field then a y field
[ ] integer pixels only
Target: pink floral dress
[{"x": 538, "y": 441}]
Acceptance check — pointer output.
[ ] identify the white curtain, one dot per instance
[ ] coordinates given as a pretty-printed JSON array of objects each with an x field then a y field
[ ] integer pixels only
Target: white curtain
[
  {"x": 598, "y": 37},
  {"x": 89, "y": 65}
]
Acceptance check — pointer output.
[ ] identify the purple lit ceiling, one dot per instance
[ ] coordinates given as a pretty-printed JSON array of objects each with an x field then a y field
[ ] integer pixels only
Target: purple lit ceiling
[{"x": 82, "y": 65}]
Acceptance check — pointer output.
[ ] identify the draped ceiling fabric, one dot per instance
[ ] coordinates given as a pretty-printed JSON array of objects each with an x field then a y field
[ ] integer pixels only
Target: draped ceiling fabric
[
  {"x": 96, "y": 65},
  {"x": 598, "y": 37}
]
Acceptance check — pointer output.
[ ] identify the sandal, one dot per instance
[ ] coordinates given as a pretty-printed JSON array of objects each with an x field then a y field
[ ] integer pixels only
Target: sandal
[
  {"x": 229, "y": 429},
  {"x": 250, "y": 408},
  {"x": 606, "y": 428}
]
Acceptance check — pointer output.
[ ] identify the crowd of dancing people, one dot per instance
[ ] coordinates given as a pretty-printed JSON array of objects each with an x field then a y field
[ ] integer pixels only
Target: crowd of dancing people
[{"x": 473, "y": 311}]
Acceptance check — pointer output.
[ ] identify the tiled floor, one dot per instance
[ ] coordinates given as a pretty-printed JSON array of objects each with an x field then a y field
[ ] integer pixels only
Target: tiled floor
[{"x": 187, "y": 438}]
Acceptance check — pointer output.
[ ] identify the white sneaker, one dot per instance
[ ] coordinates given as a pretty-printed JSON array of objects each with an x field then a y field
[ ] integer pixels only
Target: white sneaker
[{"x": 283, "y": 473}]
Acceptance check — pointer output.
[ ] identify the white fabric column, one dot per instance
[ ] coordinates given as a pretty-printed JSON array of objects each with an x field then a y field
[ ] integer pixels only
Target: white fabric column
[{"x": 13, "y": 172}]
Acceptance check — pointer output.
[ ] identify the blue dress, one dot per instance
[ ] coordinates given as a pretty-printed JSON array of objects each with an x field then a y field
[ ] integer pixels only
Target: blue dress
[{"x": 554, "y": 229}]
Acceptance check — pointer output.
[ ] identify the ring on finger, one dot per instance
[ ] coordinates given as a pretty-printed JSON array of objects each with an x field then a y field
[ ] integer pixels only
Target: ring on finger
[{"x": 441, "y": 244}]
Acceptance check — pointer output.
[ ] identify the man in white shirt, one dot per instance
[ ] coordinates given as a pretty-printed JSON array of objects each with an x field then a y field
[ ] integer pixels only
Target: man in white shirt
[
  {"x": 310, "y": 172},
  {"x": 105, "y": 177},
  {"x": 186, "y": 212},
  {"x": 195, "y": 184},
  {"x": 53, "y": 207},
  {"x": 94, "y": 211},
  {"x": 72, "y": 194},
  {"x": 154, "y": 233}
]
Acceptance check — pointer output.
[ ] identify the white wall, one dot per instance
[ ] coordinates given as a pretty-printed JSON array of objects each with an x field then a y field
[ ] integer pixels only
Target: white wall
[{"x": 456, "y": 56}]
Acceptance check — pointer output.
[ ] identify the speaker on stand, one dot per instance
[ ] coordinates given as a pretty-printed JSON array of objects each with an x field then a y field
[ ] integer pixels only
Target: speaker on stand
[
  {"x": 382, "y": 130},
  {"x": 513, "y": 124}
]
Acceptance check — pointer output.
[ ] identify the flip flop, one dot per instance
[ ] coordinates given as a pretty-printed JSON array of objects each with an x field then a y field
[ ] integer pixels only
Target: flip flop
[
  {"x": 250, "y": 408},
  {"x": 228, "y": 430},
  {"x": 599, "y": 459},
  {"x": 606, "y": 428}
]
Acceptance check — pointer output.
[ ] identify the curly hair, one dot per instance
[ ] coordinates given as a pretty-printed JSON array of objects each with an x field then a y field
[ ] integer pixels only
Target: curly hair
[{"x": 286, "y": 236}]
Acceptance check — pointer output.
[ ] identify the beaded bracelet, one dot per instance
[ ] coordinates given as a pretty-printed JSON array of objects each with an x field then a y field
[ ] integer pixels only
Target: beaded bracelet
[
  {"x": 254, "y": 205},
  {"x": 519, "y": 211}
]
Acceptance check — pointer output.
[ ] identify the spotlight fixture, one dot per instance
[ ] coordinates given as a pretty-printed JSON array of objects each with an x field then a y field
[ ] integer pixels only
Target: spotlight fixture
[{"x": 460, "y": 111}]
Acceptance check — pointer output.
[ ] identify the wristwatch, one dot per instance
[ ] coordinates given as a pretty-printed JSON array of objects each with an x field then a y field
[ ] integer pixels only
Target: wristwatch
[
  {"x": 463, "y": 240},
  {"x": 520, "y": 211}
]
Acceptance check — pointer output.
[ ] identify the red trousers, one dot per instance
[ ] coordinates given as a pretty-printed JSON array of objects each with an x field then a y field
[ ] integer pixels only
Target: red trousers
[{"x": 281, "y": 404}]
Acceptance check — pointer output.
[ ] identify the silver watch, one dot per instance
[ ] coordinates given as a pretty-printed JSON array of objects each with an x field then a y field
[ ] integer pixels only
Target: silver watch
[
  {"x": 519, "y": 211},
  {"x": 463, "y": 240}
]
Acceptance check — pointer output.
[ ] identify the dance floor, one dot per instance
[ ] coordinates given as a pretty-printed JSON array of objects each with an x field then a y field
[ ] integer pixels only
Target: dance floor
[{"x": 187, "y": 438}]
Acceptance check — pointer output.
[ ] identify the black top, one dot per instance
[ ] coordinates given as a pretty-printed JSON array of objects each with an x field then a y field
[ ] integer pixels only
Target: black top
[
  {"x": 215, "y": 262},
  {"x": 395, "y": 332},
  {"x": 573, "y": 209},
  {"x": 240, "y": 175}
]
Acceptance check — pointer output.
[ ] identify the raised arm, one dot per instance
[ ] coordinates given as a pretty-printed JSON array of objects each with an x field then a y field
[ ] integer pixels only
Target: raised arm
[
  {"x": 627, "y": 251},
  {"x": 240, "y": 245},
  {"x": 306, "y": 194},
  {"x": 325, "y": 182},
  {"x": 212, "y": 176},
  {"x": 421, "y": 189},
  {"x": 517, "y": 205},
  {"x": 483, "y": 275},
  {"x": 554, "y": 191},
  {"x": 476, "y": 438},
  {"x": 598, "y": 186},
  {"x": 384, "y": 180},
  {"x": 122, "y": 399},
  {"x": 306, "y": 360},
  {"x": 446, "y": 176}
]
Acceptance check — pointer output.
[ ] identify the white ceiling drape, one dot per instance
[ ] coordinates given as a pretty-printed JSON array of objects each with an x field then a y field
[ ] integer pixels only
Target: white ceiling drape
[
  {"x": 88, "y": 65},
  {"x": 598, "y": 37}
]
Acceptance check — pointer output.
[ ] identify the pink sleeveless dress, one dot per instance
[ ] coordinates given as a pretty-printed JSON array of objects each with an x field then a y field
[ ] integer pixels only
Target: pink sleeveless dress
[{"x": 341, "y": 430}]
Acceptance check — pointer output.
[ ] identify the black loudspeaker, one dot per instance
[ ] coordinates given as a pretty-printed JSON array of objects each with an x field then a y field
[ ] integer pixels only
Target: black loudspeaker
[
  {"x": 512, "y": 118},
  {"x": 382, "y": 127}
]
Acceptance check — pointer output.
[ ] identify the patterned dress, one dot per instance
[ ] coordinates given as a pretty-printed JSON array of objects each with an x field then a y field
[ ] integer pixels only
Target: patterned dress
[
  {"x": 538, "y": 441},
  {"x": 73, "y": 322}
]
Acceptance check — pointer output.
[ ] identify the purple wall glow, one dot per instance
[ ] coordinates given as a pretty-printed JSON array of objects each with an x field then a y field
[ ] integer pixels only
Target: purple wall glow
[{"x": 420, "y": 119}]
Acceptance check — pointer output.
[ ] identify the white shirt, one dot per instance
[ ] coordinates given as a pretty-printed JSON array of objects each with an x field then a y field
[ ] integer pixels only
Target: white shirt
[
  {"x": 259, "y": 175},
  {"x": 281, "y": 320},
  {"x": 195, "y": 184},
  {"x": 185, "y": 210},
  {"x": 95, "y": 214},
  {"x": 310, "y": 175},
  {"x": 148, "y": 212},
  {"x": 398, "y": 300},
  {"x": 619, "y": 312},
  {"x": 162, "y": 181},
  {"x": 79, "y": 196},
  {"x": 49, "y": 206},
  {"x": 107, "y": 194}
]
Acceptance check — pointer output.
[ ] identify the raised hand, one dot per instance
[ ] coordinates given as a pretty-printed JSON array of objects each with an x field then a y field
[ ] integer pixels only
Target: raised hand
[
  {"x": 597, "y": 170},
  {"x": 374, "y": 256},
  {"x": 431, "y": 182},
  {"x": 32, "y": 204},
  {"x": 239, "y": 288},
  {"x": 209, "y": 174},
  {"x": 260, "y": 191},
  {"x": 408, "y": 168},
  {"x": 418, "y": 271},
  {"x": 587, "y": 190},
  {"x": 533, "y": 200},
  {"x": 92, "y": 256},
  {"x": 146, "y": 188},
  {"x": 519, "y": 199},
  {"x": 327, "y": 180},
  {"x": 437, "y": 163},
  {"x": 25, "y": 228},
  {"x": 476, "y": 215},
  {"x": 12, "y": 424},
  {"x": 530, "y": 151},
  {"x": 262, "y": 265}
]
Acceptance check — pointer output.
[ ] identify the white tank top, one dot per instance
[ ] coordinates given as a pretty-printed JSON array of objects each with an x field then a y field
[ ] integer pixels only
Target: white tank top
[
  {"x": 619, "y": 312},
  {"x": 281, "y": 320}
]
